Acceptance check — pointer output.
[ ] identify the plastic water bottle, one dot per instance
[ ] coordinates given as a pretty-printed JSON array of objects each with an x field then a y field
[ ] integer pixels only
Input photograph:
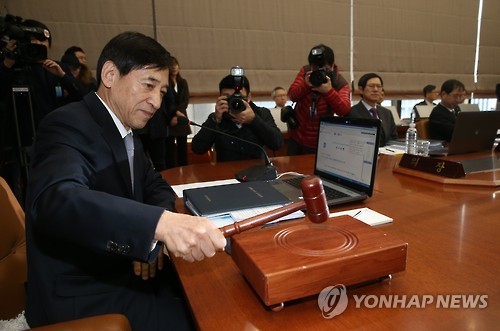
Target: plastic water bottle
[{"x": 411, "y": 139}]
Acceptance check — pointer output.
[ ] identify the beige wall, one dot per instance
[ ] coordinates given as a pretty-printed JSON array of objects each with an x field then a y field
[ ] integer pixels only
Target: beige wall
[{"x": 410, "y": 43}]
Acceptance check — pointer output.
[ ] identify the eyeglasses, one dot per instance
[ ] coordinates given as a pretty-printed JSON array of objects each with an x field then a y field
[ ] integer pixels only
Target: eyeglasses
[
  {"x": 373, "y": 86},
  {"x": 457, "y": 96}
]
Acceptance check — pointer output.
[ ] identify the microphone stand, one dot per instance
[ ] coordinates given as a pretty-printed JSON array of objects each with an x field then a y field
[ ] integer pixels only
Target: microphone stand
[{"x": 265, "y": 171}]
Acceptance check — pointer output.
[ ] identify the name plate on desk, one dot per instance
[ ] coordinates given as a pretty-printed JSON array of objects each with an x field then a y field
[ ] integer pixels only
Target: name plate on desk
[{"x": 445, "y": 168}]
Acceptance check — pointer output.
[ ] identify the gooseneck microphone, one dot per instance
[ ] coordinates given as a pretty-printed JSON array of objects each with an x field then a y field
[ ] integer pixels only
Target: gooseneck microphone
[{"x": 265, "y": 171}]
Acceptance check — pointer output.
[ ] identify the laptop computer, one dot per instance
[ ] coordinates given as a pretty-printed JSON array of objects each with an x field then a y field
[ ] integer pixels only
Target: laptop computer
[
  {"x": 473, "y": 132},
  {"x": 424, "y": 111},
  {"x": 346, "y": 160},
  {"x": 465, "y": 107}
]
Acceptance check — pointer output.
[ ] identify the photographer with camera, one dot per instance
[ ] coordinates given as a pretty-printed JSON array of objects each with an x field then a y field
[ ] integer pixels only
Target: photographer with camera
[
  {"x": 25, "y": 62},
  {"x": 36, "y": 83},
  {"x": 318, "y": 89},
  {"x": 236, "y": 115}
]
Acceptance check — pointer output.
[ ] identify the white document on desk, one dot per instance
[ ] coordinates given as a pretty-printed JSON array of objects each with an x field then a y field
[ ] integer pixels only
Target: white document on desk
[
  {"x": 392, "y": 150},
  {"x": 239, "y": 215},
  {"x": 365, "y": 215},
  {"x": 178, "y": 189}
]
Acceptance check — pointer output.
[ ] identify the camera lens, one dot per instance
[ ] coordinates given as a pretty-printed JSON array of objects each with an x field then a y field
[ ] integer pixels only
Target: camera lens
[
  {"x": 318, "y": 77},
  {"x": 237, "y": 105}
]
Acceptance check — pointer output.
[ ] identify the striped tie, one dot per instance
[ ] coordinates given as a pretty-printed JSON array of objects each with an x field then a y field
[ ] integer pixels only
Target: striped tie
[{"x": 374, "y": 113}]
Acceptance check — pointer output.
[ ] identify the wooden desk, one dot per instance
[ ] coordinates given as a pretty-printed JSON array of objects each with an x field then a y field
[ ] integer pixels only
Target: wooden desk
[{"x": 454, "y": 248}]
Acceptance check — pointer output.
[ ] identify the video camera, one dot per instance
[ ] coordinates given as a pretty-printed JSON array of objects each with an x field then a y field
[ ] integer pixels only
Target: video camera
[
  {"x": 25, "y": 52},
  {"x": 317, "y": 58},
  {"x": 235, "y": 101}
]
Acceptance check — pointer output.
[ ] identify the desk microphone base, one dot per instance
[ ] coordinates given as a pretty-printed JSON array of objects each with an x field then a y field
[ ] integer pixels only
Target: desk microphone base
[{"x": 297, "y": 259}]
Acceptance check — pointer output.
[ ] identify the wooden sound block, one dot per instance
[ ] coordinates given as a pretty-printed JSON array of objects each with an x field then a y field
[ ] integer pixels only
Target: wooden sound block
[{"x": 293, "y": 260}]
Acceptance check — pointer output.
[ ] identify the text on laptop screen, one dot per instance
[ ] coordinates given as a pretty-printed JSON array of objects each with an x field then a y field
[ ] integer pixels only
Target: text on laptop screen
[{"x": 346, "y": 151}]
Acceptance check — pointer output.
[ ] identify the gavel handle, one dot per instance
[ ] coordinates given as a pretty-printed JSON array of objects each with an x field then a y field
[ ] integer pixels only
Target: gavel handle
[{"x": 261, "y": 219}]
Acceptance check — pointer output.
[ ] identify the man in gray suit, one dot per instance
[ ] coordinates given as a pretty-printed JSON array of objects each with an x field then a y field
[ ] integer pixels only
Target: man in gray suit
[
  {"x": 370, "y": 87},
  {"x": 97, "y": 214}
]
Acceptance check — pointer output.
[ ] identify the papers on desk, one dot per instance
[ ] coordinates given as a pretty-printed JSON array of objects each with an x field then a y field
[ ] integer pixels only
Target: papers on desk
[
  {"x": 239, "y": 215},
  {"x": 178, "y": 189},
  {"x": 392, "y": 149},
  {"x": 366, "y": 215}
]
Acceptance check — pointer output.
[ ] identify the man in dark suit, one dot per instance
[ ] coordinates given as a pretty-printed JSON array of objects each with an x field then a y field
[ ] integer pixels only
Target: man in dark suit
[
  {"x": 370, "y": 87},
  {"x": 430, "y": 94},
  {"x": 443, "y": 116},
  {"x": 93, "y": 212}
]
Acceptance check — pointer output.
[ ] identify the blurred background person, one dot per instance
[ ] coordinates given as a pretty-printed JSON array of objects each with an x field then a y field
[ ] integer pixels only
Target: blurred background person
[
  {"x": 280, "y": 97},
  {"x": 443, "y": 116},
  {"x": 371, "y": 86},
  {"x": 176, "y": 144},
  {"x": 318, "y": 89},
  {"x": 49, "y": 84},
  {"x": 430, "y": 93},
  {"x": 85, "y": 76}
]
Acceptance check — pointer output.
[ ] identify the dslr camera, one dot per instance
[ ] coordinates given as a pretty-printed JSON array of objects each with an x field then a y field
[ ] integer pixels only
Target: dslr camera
[
  {"x": 287, "y": 115},
  {"x": 25, "y": 52},
  {"x": 235, "y": 101},
  {"x": 318, "y": 76}
]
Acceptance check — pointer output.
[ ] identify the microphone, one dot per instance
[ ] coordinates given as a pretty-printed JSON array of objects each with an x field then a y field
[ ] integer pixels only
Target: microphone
[{"x": 265, "y": 171}]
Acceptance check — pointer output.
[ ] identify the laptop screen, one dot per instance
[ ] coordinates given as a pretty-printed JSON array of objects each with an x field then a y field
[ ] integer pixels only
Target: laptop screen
[{"x": 347, "y": 151}]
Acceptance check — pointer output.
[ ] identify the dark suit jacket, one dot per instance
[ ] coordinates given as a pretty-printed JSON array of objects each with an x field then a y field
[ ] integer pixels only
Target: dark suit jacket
[
  {"x": 388, "y": 131},
  {"x": 84, "y": 225},
  {"x": 261, "y": 131},
  {"x": 441, "y": 123},
  {"x": 181, "y": 102}
]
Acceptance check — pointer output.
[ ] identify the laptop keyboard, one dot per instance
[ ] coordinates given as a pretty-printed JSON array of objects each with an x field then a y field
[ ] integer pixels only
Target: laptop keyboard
[{"x": 330, "y": 193}]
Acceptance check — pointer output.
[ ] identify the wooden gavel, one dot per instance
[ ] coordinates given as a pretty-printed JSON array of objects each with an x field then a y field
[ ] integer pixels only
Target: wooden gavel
[{"x": 314, "y": 202}]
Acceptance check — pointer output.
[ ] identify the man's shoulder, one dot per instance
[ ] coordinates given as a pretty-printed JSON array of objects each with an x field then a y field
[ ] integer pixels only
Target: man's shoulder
[
  {"x": 75, "y": 112},
  {"x": 260, "y": 111},
  {"x": 357, "y": 108}
]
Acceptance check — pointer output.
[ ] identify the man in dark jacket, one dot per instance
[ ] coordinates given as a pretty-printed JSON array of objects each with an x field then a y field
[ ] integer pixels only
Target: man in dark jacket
[
  {"x": 443, "y": 116},
  {"x": 253, "y": 123}
]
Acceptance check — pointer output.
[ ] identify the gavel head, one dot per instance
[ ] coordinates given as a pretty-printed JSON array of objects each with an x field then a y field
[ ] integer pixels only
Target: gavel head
[{"x": 314, "y": 197}]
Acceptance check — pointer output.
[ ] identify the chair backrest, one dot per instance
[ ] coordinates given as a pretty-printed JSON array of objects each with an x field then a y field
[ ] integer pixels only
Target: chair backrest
[
  {"x": 13, "y": 265},
  {"x": 422, "y": 127}
]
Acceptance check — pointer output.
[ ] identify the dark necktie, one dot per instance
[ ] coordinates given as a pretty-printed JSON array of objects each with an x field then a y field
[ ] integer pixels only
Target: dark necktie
[
  {"x": 129, "y": 144},
  {"x": 374, "y": 113}
]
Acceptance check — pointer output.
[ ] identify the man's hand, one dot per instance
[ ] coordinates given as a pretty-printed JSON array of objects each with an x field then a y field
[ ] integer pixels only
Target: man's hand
[
  {"x": 54, "y": 68},
  {"x": 189, "y": 237},
  {"x": 145, "y": 270},
  {"x": 221, "y": 107},
  {"x": 323, "y": 88},
  {"x": 244, "y": 117},
  {"x": 174, "y": 121}
]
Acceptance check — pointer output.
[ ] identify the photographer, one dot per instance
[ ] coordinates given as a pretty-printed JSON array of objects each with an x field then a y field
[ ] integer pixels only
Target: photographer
[
  {"x": 236, "y": 115},
  {"x": 24, "y": 63},
  {"x": 318, "y": 89}
]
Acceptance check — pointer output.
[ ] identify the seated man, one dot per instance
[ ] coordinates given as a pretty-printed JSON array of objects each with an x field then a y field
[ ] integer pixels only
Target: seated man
[
  {"x": 443, "y": 116},
  {"x": 370, "y": 87},
  {"x": 97, "y": 214},
  {"x": 430, "y": 94},
  {"x": 255, "y": 124}
]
